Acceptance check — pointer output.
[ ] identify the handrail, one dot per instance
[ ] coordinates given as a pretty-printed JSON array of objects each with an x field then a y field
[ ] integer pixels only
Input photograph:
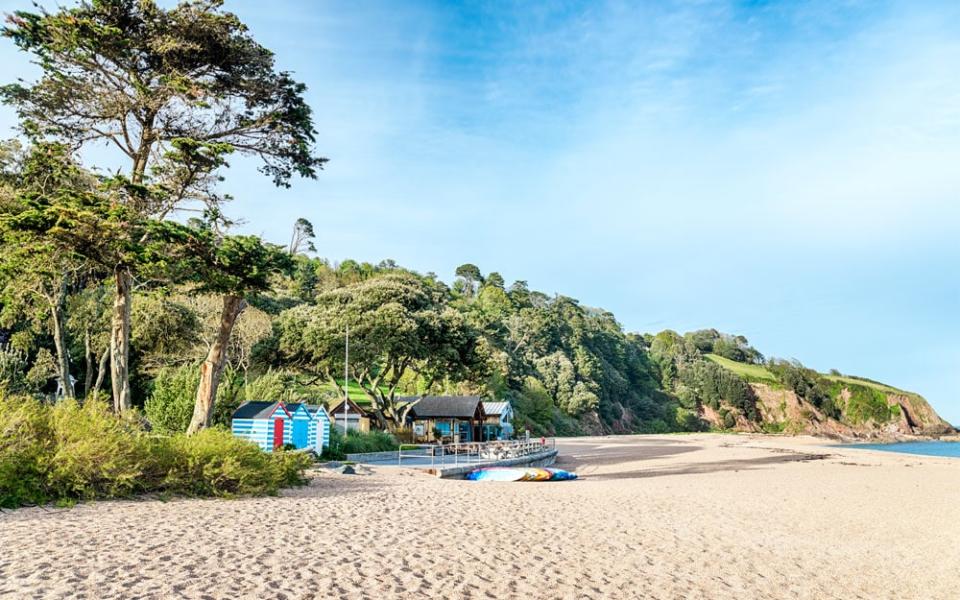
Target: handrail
[{"x": 475, "y": 452}]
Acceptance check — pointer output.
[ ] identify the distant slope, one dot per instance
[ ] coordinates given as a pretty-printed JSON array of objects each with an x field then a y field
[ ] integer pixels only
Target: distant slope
[
  {"x": 748, "y": 372},
  {"x": 866, "y": 408}
]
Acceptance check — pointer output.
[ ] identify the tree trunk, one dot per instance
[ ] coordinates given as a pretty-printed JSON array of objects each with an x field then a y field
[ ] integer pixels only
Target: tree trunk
[
  {"x": 57, "y": 314},
  {"x": 101, "y": 372},
  {"x": 88, "y": 364},
  {"x": 212, "y": 367},
  {"x": 120, "y": 341}
]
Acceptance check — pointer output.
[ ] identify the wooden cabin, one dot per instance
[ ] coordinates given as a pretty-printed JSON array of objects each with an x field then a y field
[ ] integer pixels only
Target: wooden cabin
[
  {"x": 447, "y": 418},
  {"x": 273, "y": 424},
  {"x": 498, "y": 424},
  {"x": 356, "y": 417}
]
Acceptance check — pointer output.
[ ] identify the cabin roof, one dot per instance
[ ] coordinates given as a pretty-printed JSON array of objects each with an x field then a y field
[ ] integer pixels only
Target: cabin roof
[
  {"x": 337, "y": 409},
  {"x": 258, "y": 409},
  {"x": 495, "y": 409},
  {"x": 462, "y": 407}
]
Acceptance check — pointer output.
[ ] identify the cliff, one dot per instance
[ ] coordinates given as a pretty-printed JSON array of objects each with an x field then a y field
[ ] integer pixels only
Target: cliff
[{"x": 867, "y": 410}]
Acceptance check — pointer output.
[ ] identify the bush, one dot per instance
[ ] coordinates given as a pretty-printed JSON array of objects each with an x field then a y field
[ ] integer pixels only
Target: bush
[
  {"x": 217, "y": 463},
  {"x": 356, "y": 442},
  {"x": 69, "y": 452},
  {"x": 170, "y": 405}
]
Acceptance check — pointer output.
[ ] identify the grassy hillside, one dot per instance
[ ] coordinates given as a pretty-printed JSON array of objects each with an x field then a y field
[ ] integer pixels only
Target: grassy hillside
[
  {"x": 867, "y": 383},
  {"x": 749, "y": 372}
]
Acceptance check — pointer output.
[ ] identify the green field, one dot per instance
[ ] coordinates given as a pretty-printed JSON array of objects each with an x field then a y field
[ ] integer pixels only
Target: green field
[
  {"x": 748, "y": 372},
  {"x": 876, "y": 385},
  {"x": 355, "y": 391},
  {"x": 760, "y": 373}
]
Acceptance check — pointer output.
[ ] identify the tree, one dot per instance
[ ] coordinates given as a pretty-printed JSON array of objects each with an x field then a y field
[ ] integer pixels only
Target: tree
[
  {"x": 232, "y": 266},
  {"x": 301, "y": 240},
  {"x": 399, "y": 324},
  {"x": 34, "y": 277},
  {"x": 468, "y": 278},
  {"x": 88, "y": 319},
  {"x": 175, "y": 91}
]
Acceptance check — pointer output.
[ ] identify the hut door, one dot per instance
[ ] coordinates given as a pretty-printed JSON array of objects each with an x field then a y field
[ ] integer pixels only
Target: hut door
[
  {"x": 277, "y": 433},
  {"x": 300, "y": 433}
]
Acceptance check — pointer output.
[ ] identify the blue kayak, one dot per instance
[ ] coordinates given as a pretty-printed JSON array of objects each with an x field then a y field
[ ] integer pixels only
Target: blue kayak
[{"x": 519, "y": 474}]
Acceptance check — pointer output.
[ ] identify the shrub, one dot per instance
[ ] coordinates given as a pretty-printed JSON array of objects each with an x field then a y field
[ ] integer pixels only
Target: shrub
[
  {"x": 96, "y": 455},
  {"x": 67, "y": 452},
  {"x": 26, "y": 444},
  {"x": 356, "y": 442},
  {"x": 170, "y": 405},
  {"x": 217, "y": 463}
]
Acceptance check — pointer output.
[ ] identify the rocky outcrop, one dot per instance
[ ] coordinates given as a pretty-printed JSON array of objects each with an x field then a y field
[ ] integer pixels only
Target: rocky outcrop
[{"x": 782, "y": 411}]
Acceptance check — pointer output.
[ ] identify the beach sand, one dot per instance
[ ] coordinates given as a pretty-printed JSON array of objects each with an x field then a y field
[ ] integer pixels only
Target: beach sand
[{"x": 675, "y": 516}]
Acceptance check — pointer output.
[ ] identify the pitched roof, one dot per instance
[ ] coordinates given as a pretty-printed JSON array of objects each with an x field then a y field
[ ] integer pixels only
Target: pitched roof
[
  {"x": 293, "y": 407},
  {"x": 354, "y": 409},
  {"x": 256, "y": 409},
  {"x": 495, "y": 409},
  {"x": 462, "y": 407}
]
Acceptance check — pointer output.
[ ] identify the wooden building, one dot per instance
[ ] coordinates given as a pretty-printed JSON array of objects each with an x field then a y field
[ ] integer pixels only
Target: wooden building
[
  {"x": 447, "y": 418},
  {"x": 498, "y": 424},
  {"x": 357, "y": 418}
]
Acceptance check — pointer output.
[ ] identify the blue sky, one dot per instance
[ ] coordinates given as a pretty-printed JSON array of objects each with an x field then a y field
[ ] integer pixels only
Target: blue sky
[{"x": 789, "y": 171}]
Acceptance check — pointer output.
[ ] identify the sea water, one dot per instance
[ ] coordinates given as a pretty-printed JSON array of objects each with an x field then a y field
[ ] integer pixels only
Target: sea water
[{"x": 927, "y": 448}]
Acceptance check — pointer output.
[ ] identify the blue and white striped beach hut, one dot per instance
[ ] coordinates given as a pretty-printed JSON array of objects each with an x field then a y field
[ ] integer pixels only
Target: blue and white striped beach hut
[
  {"x": 321, "y": 423},
  {"x": 268, "y": 424},
  {"x": 273, "y": 424}
]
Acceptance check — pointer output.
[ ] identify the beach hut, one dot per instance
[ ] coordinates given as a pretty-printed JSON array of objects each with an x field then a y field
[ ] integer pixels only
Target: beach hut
[
  {"x": 319, "y": 427},
  {"x": 268, "y": 424},
  {"x": 457, "y": 418},
  {"x": 498, "y": 423},
  {"x": 304, "y": 430},
  {"x": 357, "y": 419},
  {"x": 321, "y": 422}
]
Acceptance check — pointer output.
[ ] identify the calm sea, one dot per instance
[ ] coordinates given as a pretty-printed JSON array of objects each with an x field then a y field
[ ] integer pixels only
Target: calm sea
[{"x": 927, "y": 448}]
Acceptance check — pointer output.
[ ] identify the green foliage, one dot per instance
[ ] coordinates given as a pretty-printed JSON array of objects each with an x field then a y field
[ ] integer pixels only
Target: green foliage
[
  {"x": 194, "y": 64},
  {"x": 13, "y": 367},
  {"x": 43, "y": 369},
  {"x": 69, "y": 452},
  {"x": 357, "y": 442},
  {"x": 398, "y": 323},
  {"x": 689, "y": 420},
  {"x": 216, "y": 463},
  {"x": 731, "y": 347},
  {"x": 805, "y": 383},
  {"x": 865, "y": 404},
  {"x": 749, "y": 372},
  {"x": 697, "y": 379},
  {"x": 171, "y": 400}
]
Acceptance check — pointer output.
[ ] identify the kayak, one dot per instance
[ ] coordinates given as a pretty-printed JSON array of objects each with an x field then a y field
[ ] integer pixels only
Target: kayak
[{"x": 519, "y": 474}]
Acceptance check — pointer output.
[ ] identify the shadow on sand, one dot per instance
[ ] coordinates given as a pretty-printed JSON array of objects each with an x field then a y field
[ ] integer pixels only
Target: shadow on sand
[{"x": 712, "y": 467}]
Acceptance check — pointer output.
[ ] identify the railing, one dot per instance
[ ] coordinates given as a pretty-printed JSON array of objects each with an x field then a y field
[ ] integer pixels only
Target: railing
[{"x": 471, "y": 452}]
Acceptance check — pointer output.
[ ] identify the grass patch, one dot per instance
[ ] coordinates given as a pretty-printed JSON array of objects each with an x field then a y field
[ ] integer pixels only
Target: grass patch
[
  {"x": 757, "y": 373},
  {"x": 869, "y": 383}
]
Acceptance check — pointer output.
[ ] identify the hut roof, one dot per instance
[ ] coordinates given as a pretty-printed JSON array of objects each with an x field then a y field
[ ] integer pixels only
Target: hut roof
[
  {"x": 463, "y": 407},
  {"x": 257, "y": 409},
  {"x": 495, "y": 409},
  {"x": 337, "y": 409}
]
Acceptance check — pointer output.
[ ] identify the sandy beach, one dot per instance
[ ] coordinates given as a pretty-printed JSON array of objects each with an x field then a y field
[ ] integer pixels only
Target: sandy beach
[{"x": 680, "y": 516}]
